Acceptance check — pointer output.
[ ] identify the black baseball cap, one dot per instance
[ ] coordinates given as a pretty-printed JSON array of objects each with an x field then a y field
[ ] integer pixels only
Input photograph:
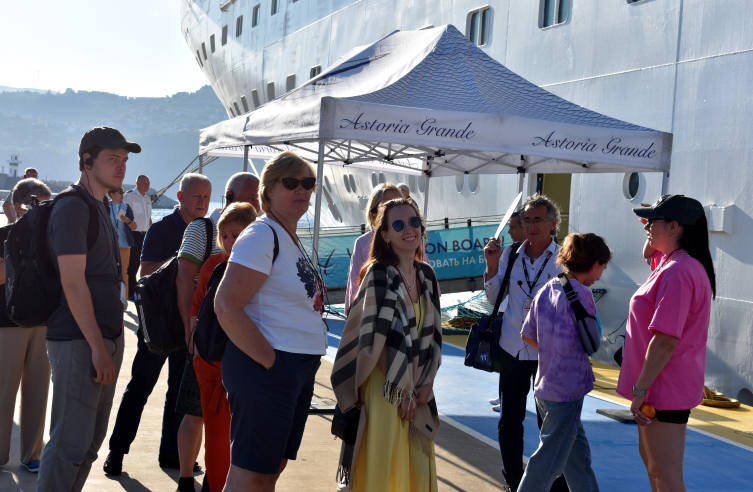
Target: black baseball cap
[
  {"x": 681, "y": 208},
  {"x": 109, "y": 138}
]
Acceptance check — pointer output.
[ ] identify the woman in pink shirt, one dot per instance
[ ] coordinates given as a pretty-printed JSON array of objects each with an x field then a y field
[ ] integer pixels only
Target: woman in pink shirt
[
  {"x": 667, "y": 328},
  {"x": 380, "y": 194}
]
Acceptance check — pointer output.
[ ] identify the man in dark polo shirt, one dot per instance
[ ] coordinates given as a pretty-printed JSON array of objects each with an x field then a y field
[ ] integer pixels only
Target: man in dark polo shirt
[
  {"x": 161, "y": 243},
  {"x": 85, "y": 332}
]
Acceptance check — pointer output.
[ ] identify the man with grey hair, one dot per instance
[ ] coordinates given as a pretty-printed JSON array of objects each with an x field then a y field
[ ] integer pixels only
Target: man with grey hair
[
  {"x": 162, "y": 242},
  {"x": 25, "y": 361},
  {"x": 404, "y": 189},
  {"x": 241, "y": 187},
  {"x": 534, "y": 265},
  {"x": 8, "y": 208}
]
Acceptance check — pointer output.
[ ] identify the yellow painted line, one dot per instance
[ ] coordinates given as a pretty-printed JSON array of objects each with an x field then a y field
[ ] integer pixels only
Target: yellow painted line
[{"x": 731, "y": 424}]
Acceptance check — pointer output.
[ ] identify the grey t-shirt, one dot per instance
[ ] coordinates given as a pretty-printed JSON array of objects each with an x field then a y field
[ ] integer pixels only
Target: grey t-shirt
[{"x": 69, "y": 223}]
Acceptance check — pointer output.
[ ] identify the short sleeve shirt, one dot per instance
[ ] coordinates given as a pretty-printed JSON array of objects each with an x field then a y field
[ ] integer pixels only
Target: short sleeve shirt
[
  {"x": 67, "y": 230},
  {"x": 286, "y": 307},
  {"x": 142, "y": 209},
  {"x": 163, "y": 239},
  {"x": 564, "y": 372},
  {"x": 676, "y": 301},
  {"x": 194, "y": 245}
]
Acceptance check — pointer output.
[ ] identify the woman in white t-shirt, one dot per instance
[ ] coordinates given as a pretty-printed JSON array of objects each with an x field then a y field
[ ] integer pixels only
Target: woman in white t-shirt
[{"x": 270, "y": 305}]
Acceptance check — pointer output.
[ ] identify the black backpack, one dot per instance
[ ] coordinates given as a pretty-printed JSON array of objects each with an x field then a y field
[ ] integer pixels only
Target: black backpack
[
  {"x": 32, "y": 284},
  {"x": 157, "y": 304},
  {"x": 209, "y": 337}
]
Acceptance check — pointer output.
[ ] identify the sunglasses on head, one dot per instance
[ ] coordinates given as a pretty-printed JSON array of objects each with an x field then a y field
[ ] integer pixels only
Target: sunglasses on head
[
  {"x": 292, "y": 183},
  {"x": 399, "y": 225}
]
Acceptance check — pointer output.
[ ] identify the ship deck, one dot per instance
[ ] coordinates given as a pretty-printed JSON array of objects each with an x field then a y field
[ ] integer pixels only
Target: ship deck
[{"x": 718, "y": 450}]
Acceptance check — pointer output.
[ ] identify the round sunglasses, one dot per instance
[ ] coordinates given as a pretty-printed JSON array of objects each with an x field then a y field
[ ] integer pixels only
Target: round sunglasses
[
  {"x": 399, "y": 225},
  {"x": 292, "y": 183}
]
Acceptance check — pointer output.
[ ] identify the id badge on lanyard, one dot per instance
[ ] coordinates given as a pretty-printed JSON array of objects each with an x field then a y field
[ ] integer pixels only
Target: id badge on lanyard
[{"x": 527, "y": 306}]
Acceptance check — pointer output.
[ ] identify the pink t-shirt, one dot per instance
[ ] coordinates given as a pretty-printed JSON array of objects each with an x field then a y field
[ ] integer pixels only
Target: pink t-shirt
[
  {"x": 656, "y": 259},
  {"x": 675, "y": 300}
]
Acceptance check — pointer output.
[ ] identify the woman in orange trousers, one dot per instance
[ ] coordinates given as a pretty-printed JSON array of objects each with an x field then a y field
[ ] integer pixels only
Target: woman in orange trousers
[{"x": 214, "y": 403}]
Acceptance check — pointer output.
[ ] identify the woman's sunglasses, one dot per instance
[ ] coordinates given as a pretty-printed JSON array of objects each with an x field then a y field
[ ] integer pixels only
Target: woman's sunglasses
[
  {"x": 292, "y": 183},
  {"x": 399, "y": 225}
]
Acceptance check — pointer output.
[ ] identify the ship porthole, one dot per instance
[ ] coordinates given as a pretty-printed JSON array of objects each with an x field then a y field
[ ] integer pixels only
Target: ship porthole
[
  {"x": 374, "y": 180},
  {"x": 326, "y": 184},
  {"x": 347, "y": 183},
  {"x": 352, "y": 180},
  {"x": 473, "y": 182},
  {"x": 421, "y": 184},
  {"x": 460, "y": 182},
  {"x": 631, "y": 185}
]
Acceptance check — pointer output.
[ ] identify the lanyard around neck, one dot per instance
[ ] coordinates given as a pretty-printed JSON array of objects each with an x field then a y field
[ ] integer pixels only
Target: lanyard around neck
[{"x": 531, "y": 285}]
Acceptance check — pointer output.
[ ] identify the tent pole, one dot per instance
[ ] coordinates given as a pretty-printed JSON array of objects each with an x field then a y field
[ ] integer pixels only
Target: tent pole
[
  {"x": 664, "y": 182},
  {"x": 521, "y": 177},
  {"x": 245, "y": 158},
  {"x": 426, "y": 198},
  {"x": 318, "y": 202},
  {"x": 201, "y": 164}
]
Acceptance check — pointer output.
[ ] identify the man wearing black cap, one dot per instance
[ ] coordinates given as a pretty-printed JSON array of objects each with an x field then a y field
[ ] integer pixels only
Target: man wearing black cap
[{"x": 85, "y": 332}]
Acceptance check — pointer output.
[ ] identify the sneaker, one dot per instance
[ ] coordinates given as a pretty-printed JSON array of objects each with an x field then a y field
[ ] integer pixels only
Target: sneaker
[
  {"x": 496, "y": 408},
  {"x": 32, "y": 466},
  {"x": 494, "y": 401},
  {"x": 113, "y": 463}
]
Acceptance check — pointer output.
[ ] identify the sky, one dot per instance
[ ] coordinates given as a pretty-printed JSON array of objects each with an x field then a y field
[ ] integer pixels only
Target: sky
[{"x": 126, "y": 47}]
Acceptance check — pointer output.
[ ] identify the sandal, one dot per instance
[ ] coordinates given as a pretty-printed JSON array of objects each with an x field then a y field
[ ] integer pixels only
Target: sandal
[{"x": 717, "y": 399}]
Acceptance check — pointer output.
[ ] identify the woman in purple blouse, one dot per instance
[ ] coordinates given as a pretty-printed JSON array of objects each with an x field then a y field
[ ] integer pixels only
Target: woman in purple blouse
[{"x": 564, "y": 376}]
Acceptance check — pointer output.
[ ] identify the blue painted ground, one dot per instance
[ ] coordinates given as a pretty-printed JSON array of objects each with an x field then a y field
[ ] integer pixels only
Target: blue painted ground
[{"x": 463, "y": 394}]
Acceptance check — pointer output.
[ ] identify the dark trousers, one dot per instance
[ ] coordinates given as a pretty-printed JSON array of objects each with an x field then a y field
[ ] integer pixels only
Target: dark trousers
[
  {"x": 144, "y": 375},
  {"x": 514, "y": 384},
  {"x": 133, "y": 265}
]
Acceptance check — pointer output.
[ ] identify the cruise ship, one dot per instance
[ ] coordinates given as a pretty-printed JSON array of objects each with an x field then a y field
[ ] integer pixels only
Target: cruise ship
[{"x": 678, "y": 66}]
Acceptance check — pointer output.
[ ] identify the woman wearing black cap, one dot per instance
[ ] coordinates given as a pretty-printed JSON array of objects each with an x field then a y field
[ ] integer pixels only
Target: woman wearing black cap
[{"x": 667, "y": 328}]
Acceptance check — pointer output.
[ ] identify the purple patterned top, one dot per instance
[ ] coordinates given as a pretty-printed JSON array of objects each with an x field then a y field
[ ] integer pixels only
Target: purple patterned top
[{"x": 565, "y": 372}]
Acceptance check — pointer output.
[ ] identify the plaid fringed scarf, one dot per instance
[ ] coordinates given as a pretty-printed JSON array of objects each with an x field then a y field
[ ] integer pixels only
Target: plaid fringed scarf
[{"x": 382, "y": 315}]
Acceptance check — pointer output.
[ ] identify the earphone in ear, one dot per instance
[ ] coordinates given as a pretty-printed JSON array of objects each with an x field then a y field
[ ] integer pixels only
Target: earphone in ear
[
  {"x": 229, "y": 196},
  {"x": 88, "y": 162}
]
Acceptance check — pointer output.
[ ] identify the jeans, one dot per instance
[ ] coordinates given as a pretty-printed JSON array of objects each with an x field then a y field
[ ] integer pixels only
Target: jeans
[
  {"x": 144, "y": 375},
  {"x": 135, "y": 261},
  {"x": 514, "y": 384},
  {"x": 80, "y": 413},
  {"x": 563, "y": 449}
]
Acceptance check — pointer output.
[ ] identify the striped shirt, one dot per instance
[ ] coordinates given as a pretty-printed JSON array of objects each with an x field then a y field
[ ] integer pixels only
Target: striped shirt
[{"x": 194, "y": 245}]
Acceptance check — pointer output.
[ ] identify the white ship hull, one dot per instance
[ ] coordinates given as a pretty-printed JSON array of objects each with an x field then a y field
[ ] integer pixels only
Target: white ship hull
[{"x": 678, "y": 66}]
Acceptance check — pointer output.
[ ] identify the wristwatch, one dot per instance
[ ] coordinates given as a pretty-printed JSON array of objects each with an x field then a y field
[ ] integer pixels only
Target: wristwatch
[{"x": 637, "y": 392}]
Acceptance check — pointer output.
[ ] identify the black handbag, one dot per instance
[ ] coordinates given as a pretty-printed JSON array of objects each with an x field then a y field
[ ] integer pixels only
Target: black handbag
[
  {"x": 482, "y": 350},
  {"x": 189, "y": 394},
  {"x": 345, "y": 424},
  {"x": 209, "y": 337}
]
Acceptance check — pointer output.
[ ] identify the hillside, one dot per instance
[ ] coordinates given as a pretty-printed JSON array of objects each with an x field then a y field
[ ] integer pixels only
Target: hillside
[{"x": 45, "y": 130}]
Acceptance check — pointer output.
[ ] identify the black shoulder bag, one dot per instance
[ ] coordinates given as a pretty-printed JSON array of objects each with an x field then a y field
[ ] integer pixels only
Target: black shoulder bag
[
  {"x": 482, "y": 350},
  {"x": 209, "y": 337}
]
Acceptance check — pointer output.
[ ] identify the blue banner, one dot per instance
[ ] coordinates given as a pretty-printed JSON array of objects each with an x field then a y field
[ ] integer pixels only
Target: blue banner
[{"x": 453, "y": 253}]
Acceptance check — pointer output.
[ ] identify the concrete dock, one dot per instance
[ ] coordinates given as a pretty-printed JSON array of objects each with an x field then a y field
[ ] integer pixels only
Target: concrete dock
[{"x": 463, "y": 462}]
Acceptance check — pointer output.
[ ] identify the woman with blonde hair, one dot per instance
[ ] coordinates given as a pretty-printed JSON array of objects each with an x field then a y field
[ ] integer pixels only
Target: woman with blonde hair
[
  {"x": 214, "y": 406},
  {"x": 270, "y": 305},
  {"x": 381, "y": 193},
  {"x": 397, "y": 305}
]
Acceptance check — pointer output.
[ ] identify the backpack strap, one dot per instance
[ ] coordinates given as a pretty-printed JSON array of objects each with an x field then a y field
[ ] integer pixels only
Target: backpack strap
[
  {"x": 572, "y": 297},
  {"x": 276, "y": 249},
  {"x": 514, "y": 251},
  {"x": 92, "y": 233},
  {"x": 210, "y": 238}
]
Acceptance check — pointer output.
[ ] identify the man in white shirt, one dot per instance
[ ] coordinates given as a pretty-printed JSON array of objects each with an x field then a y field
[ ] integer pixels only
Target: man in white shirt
[
  {"x": 141, "y": 205},
  {"x": 8, "y": 208},
  {"x": 533, "y": 268}
]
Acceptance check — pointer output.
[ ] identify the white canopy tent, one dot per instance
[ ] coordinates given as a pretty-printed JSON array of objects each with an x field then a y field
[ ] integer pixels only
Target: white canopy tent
[{"x": 432, "y": 103}]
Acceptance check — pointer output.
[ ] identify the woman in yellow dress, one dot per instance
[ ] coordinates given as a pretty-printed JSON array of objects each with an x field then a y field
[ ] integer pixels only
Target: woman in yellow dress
[{"x": 387, "y": 361}]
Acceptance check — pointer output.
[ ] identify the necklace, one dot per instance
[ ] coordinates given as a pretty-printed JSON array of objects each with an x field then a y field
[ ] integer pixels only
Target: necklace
[
  {"x": 406, "y": 279},
  {"x": 670, "y": 258}
]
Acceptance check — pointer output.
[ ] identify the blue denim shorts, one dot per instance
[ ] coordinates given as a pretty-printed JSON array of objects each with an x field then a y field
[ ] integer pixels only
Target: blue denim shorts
[{"x": 268, "y": 407}]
